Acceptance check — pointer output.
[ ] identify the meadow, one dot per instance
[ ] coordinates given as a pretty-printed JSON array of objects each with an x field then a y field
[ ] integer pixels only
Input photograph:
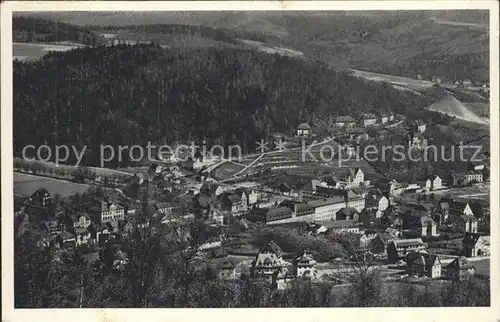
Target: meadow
[
  {"x": 34, "y": 51},
  {"x": 27, "y": 184}
]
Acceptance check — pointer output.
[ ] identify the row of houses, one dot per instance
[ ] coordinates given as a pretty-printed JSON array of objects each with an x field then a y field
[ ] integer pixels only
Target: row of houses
[
  {"x": 84, "y": 227},
  {"x": 349, "y": 122},
  {"x": 319, "y": 204},
  {"x": 392, "y": 245},
  {"x": 367, "y": 119},
  {"x": 270, "y": 266}
]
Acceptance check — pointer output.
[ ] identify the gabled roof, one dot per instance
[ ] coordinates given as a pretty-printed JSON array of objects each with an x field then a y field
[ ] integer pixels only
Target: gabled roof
[
  {"x": 81, "y": 230},
  {"x": 369, "y": 116},
  {"x": 272, "y": 247},
  {"x": 424, "y": 220},
  {"x": 305, "y": 259},
  {"x": 227, "y": 264},
  {"x": 471, "y": 238},
  {"x": 51, "y": 223},
  {"x": 304, "y": 126},
  {"x": 233, "y": 198},
  {"x": 433, "y": 177},
  {"x": 40, "y": 193},
  {"x": 460, "y": 263},
  {"x": 66, "y": 235},
  {"x": 408, "y": 242},
  {"x": 424, "y": 259},
  {"x": 278, "y": 211}
]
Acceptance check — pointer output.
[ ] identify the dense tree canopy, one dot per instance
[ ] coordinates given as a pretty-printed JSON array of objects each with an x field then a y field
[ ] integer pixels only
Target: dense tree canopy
[
  {"x": 29, "y": 29},
  {"x": 132, "y": 94}
]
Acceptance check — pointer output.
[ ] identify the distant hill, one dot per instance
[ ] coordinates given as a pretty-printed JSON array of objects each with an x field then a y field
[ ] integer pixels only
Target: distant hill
[
  {"x": 449, "y": 105},
  {"x": 403, "y": 43},
  {"x": 32, "y": 29}
]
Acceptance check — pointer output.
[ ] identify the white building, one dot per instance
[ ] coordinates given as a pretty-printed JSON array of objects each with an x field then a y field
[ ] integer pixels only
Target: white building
[
  {"x": 111, "y": 212},
  {"x": 304, "y": 129},
  {"x": 369, "y": 119},
  {"x": 305, "y": 266},
  {"x": 434, "y": 183},
  {"x": 473, "y": 177}
]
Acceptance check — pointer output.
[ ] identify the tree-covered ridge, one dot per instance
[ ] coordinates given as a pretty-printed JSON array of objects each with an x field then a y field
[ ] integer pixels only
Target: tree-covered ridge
[
  {"x": 220, "y": 34},
  {"x": 29, "y": 29},
  {"x": 132, "y": 94}
]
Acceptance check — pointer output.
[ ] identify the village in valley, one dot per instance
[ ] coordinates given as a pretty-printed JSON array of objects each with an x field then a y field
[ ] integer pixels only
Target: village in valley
[
  {"x": 278, "y": 217},
  {"x": 251, "y": 159}
]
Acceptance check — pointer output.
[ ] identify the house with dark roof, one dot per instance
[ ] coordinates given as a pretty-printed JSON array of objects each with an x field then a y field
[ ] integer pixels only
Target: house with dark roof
[
  {"x": 83, "y": 236},
  {"x": 205, "y": 205},
  {"x": 78, "y": 220},
  {"x": 428, "y": 227},
  {"x": 459, "y": 268},
  {"x": 442, "y": 212},
  {"x": 305, "y": 266},
  {"x": 421, "y": 126},
  {"x": 417, "y": 140},
  {"x": 466, "y": 223},
  {"x": 54, "y": 227},
  {"x": 384, "y": 118},
  {"x": 66, "y": 240},
  {"x": 455, "y": 179},
  {"x": 423, "y": 264},
  {"x": 473, "y": 245},
  {"x": 349, "y": 176},
  {"x": 267, "y": 262},
  {"x": 154, "y": 170},
  {"x": 304, "y": 129},
  {"x": 378, "y": 202},
  {"x": 369, "y": 119},
  {"x": 226, "y": 269},
  {"x": 211, "y": 189},
  {"x": 379, "y": 244},
  {"x": 399, "y": 248},
  {"x": 358, "y": 134},
  {"x": 41, "y": 197},
  {"x": 234, "y": 202}
]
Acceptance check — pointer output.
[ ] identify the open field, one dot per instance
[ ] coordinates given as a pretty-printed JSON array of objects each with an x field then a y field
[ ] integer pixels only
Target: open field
[
  {"x": 98, "y": 171},
  {"x": 400, "y": 81},
  {"x": 27, "y": 184},
  {"x": 226, "y": 170},
  {"x": 479, "y": 191},
  {"x": 34, "y": 51}
]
